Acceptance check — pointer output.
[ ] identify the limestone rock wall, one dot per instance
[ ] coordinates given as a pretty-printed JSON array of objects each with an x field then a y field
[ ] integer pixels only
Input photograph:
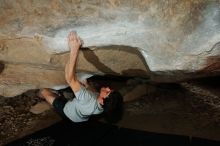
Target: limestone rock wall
[{"x": 168, "y": 40}]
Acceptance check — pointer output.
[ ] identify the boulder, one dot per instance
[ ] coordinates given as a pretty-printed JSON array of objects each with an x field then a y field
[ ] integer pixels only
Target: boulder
[{"x": 166, "y": 41}]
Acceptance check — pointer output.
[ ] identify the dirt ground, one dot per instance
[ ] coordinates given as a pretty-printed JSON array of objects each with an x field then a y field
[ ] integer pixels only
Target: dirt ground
[{"x": 189, "y": 108}]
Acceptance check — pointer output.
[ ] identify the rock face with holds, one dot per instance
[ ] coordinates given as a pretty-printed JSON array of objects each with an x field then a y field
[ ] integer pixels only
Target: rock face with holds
[{"x": 166, "y": 41}]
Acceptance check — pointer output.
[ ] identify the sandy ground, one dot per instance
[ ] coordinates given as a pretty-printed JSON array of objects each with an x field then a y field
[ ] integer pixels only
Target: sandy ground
[{"x": 190, "y": 108}]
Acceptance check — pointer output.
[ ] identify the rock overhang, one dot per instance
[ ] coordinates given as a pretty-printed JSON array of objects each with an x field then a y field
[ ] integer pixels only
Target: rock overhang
[{"x": 173, "y": 40}]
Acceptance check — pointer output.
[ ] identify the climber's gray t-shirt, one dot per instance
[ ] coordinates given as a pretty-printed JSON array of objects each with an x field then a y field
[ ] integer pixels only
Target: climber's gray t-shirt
[{"x": 82, "y": 106}]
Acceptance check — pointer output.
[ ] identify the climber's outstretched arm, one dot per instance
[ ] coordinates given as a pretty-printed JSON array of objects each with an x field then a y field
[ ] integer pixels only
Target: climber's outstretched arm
[{"x": 70, "y": 69}]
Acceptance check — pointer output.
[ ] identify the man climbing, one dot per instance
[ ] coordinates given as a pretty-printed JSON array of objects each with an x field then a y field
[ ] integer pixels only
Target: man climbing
[{"x": 86, "y": 102}]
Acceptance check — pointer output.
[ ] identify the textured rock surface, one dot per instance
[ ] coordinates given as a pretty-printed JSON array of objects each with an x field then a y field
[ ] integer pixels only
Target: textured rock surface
[{"x": 168, "y": 40}]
